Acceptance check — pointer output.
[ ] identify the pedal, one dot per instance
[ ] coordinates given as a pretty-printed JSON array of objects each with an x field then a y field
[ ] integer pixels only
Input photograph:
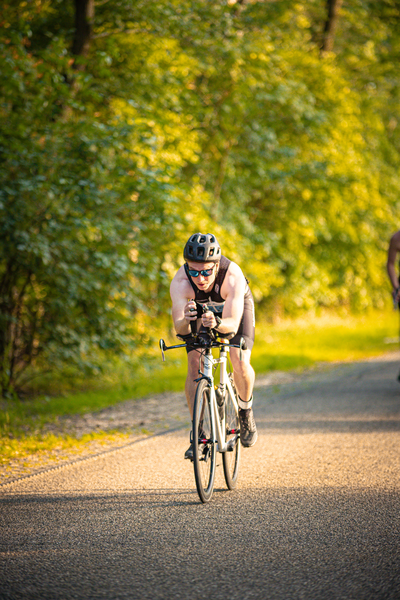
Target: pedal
[{"x": 206, "y": 453}]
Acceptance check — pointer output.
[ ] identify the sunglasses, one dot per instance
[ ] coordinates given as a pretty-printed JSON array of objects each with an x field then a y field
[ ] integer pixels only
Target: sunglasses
[{"x": 204, "y": 272}]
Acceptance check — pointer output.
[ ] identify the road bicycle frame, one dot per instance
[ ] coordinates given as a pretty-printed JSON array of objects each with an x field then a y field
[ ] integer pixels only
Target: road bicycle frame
[
  {"x": 205, "y": 348},
  {"x": 207, "y": 373}
]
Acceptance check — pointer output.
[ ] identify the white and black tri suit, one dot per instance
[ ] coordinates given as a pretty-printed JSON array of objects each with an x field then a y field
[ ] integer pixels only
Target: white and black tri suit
[{"x": 215, "y": 303}]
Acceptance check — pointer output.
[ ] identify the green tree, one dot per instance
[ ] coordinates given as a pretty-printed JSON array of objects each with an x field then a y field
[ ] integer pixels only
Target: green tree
[
  {"x": 77, "y": 208},
  {"x": 124, "y": 125}
]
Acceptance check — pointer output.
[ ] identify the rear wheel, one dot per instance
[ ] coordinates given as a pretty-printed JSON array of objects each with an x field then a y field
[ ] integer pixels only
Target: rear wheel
[
  {"x": 204, "y": 446},
  {"x": 230, "y": 459}
]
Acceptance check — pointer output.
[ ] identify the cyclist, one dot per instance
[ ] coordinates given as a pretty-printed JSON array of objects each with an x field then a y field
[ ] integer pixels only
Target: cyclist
[
  {"x": 394, "y": 248},
  {"x": 211, "y": 279}
]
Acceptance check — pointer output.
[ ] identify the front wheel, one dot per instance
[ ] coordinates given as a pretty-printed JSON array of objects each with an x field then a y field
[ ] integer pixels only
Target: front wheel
[
  {"x": 204, "y": 445},
  {"x": 230, "y": 459}
]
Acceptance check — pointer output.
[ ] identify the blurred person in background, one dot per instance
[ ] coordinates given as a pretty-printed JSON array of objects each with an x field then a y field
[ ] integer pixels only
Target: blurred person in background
[{"x": 394, "y": 249}]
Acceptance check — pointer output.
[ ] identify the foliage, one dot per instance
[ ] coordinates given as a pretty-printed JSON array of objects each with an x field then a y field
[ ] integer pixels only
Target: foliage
[
  {"x": 188, "y": 115},
  {"x": 75, "y": 206}
]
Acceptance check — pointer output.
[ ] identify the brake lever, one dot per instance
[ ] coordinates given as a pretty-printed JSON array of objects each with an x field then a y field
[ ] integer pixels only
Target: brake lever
[{"x": 162, "y": 346}]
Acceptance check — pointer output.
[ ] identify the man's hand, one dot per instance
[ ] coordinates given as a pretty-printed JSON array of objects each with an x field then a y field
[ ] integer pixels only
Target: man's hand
[
  {"x": 190, "y": 311},
  {"x": 396, "y": 295},
  {"x": 208, "y": 320}
]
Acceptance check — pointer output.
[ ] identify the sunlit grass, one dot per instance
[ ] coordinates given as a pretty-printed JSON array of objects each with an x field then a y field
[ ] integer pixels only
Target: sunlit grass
[
  {"x": 48, "y": 444},
  {"x": 329, "y": 338},
  {"x": 291, "y": 344}
]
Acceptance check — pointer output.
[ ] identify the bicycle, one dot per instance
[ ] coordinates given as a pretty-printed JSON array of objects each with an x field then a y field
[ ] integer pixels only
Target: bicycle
[{"x": 215, "y": 425}]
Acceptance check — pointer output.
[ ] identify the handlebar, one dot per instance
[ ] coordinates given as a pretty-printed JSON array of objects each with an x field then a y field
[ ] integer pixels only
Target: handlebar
[{"x": 203, "y": 343}]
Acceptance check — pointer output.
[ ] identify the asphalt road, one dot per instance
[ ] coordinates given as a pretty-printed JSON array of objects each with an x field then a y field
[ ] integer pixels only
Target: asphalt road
[{"x": 316, "y": 514}]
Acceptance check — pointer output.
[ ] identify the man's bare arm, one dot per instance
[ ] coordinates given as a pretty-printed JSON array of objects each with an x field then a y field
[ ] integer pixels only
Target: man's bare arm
[{"x": 181, "y": 294}]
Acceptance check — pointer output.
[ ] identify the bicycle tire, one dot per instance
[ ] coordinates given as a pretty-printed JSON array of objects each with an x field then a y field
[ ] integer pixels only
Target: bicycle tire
[
  {"x": 204, "y": 452},
  {"x": 230, "y": 459}
]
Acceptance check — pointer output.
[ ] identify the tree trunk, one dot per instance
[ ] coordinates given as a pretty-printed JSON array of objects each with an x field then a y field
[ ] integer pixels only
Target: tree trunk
[
  {"x": 84, "y": 16},
  {"x": 333, "y": 7}
]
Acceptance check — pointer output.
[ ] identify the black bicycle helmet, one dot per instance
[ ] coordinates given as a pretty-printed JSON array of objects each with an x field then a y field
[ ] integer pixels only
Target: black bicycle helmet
[{"x": 202, "y": 247}]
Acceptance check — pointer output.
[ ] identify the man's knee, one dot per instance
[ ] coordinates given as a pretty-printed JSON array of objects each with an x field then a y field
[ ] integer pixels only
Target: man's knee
[{"x": 193, "y": 364}]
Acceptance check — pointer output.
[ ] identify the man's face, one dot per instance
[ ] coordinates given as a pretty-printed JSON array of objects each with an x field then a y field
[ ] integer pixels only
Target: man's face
[{"x": 203, "y": 282}]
